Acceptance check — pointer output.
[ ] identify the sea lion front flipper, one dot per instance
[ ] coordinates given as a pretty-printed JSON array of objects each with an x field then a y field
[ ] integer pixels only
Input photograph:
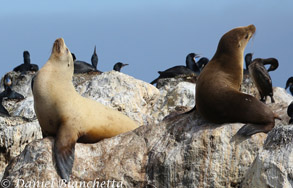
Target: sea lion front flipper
[
  {"x": 64, "y": 148},
  {"x": 251, "y": 129}
]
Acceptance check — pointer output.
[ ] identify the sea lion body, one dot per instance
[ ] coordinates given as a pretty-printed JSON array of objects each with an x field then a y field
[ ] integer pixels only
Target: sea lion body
[
  {"x": 63, "y": 113},
  {"x": 96, "y": 120},
  {"x": 218, "y": 98}
]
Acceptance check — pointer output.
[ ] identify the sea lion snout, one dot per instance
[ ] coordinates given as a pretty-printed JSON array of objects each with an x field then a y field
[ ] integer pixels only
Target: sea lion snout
[
  {"x": 251, "y": 28},
  {"x": 58, "y": 45}
]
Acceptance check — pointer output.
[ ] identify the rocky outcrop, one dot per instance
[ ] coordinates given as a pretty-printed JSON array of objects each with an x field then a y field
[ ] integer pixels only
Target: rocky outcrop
[
  {"x": 137, "y": 99},
  {"x": 181, "y": 151},
  {"x": 110, "y": 159},
  {"x": 15, "y": 134},
  {"x": 273, "y": 166}
]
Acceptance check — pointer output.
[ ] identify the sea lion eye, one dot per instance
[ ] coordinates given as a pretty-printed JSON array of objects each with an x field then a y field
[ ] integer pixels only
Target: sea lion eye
[{"x": 246, "y": 37}]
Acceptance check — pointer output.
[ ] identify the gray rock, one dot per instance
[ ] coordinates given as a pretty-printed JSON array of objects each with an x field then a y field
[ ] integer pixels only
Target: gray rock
[
  {"x": 110, "y": 159},
  {"x": 176, "y": 80},
  {"x": 182, "y": 151},
  {"x": 172, "y": 95},
  {"x": 273, "y": 166},
  {"x": 124, "y": 93},
  {"x": 191, "y": 152},
  {"x": 21, "y": 83},
  {"x": 15, "y": 134},
  {"x": 137, "y": 99}
]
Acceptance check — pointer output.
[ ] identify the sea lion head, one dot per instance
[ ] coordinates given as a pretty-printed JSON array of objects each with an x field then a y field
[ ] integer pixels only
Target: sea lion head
[
  {"x": 62, "y": 55},
  {"x": 235, "y": 40}
]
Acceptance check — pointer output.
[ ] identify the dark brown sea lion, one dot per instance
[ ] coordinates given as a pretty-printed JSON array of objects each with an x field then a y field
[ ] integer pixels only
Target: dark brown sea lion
[{"x": 218, "y": 98}]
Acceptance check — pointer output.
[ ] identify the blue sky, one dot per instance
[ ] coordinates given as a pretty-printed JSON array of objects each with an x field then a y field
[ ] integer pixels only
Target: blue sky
[{"x": 149, "y": 35}]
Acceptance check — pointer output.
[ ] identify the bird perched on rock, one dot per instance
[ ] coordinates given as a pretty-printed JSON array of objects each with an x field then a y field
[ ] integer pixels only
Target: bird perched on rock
[
  {"x": 118, "y": 66},
  {"x": 84, "y": 67},
  {"x": 26, "y": 66},
  {"x": 248, "y": 60},
  {"x": 8, "y": 93},
  {"x": 289, "y": 84},
  {"x": 191, "y": 68},
  {"x": 290, "y": 112},
  {"x": 261, "y": 77},
  {"x": 202, "y": 62},
  {"x": 95, "y": 59}
]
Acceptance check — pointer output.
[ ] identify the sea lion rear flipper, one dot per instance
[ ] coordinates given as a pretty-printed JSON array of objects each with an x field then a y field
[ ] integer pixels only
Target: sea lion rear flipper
[
  {"x": 251, "y": 129},
  {"x": 64, "y": 148}
]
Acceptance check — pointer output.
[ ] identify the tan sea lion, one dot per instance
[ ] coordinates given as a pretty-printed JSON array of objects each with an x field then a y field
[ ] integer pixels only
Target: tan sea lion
[
  {"x": 63, "y": 113},
  {"x": 218, "y": 98}
]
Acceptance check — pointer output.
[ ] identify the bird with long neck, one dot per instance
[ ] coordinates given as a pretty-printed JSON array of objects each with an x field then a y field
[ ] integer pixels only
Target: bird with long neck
[
  {"x": 261, "y": 78},
  {"x": 118, "y": 66},
  {"x": 84, "y": 67},
  {"x": 190, "y": 68},
  {"x": 94, "y": 59}
]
